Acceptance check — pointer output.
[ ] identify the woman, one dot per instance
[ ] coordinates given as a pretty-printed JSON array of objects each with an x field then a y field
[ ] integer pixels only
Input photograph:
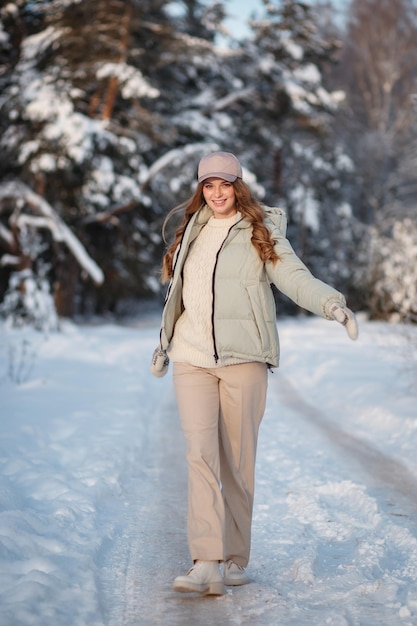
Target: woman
[{"x": 219, "y": 329}]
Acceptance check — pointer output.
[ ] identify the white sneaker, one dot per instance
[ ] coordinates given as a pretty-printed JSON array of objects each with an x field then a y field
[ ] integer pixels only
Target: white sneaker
[
  {"x": 234, "y": 574},
  {"x": 204, "y": 577}
]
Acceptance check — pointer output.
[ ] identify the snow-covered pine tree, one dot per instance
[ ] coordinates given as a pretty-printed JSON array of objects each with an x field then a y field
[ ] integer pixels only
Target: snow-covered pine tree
[
  {"x": 388, "y": 274},
  {"x": 76, "y": 121},
  {"x": 289, "y": 139}
]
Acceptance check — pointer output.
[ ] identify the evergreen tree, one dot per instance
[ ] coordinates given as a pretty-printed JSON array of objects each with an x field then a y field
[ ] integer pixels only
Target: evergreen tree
[
  {"x": 292, "y": 117},
  {"x": 78, "y": 118}
]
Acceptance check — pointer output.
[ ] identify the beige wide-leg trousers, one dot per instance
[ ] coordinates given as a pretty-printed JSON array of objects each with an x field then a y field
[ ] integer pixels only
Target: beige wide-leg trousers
[{"x": 220, "y": 410}]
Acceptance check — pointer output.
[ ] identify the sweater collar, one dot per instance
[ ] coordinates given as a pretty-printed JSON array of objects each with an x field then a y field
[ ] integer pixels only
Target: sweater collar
[
  {"x": 205, "y": 213},
  {"x": 225, "y": 222}
]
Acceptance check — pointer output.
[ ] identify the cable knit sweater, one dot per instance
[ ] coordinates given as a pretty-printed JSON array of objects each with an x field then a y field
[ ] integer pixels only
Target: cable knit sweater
[{"x": 193, "y": 339}]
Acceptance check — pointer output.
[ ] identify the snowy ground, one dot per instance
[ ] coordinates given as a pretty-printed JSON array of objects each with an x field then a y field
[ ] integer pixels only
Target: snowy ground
[{"x": 93, "y": 483}]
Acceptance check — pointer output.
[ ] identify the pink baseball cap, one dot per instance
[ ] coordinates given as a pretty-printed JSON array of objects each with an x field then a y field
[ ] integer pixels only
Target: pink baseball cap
[{"x": 219, "y": 165}]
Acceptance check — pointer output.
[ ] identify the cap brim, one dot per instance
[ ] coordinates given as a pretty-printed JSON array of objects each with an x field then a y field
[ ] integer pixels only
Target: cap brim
[{"x": 229, "y": 177}]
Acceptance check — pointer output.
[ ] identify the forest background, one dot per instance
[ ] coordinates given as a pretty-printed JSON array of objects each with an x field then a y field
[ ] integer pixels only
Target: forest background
[{"x": 107, "y": 106}]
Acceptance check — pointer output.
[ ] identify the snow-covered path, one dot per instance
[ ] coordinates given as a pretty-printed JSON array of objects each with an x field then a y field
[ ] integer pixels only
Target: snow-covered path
[{"x": 93, "y": 484}]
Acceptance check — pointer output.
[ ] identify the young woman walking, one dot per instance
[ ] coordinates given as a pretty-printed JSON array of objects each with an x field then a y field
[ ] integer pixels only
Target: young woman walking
[{"x": 219, "y": 329}]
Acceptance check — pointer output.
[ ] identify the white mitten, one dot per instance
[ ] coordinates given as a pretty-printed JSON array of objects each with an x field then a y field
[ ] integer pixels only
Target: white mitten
[
  {"x": 344, "y": 316},
  {"x": 160, "y": 363}
]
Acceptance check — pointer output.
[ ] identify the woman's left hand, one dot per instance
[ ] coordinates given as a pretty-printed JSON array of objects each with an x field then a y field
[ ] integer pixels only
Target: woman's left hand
[{"x": 347, "y": 318}]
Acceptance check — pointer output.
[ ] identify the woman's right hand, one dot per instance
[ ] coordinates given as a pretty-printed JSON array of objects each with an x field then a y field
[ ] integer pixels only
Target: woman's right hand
[{"x": 160, "y": 362}]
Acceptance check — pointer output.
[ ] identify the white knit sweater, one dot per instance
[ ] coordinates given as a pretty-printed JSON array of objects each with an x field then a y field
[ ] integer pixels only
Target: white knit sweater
[{"x": 193, "y": 338}]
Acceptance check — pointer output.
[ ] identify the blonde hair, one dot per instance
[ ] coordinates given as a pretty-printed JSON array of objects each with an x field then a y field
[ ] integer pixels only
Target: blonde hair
[{"x": 248, "y": 206}]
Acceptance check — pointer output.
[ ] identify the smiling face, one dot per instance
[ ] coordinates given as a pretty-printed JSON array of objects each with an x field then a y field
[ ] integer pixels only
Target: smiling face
[{"x": 220, "y": 197}]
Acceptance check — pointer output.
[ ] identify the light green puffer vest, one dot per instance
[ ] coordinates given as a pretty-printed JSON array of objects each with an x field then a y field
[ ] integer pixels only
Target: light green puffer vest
[{"x": 244, "y": 310}]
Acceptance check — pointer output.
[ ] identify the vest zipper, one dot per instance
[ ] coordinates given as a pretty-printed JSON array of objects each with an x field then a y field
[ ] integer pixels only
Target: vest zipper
[{"x": 213, "y": 332}]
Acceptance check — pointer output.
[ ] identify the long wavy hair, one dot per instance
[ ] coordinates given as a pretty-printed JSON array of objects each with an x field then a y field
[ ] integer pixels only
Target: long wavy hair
[{"x": 248, "y": 206}]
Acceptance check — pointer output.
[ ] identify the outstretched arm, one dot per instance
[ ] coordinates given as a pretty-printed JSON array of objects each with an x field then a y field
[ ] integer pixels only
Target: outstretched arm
[{"x": 295, "y": 280}]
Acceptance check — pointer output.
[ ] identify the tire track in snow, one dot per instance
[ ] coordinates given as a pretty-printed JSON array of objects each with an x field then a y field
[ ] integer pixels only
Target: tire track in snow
[
  {"x": 382, "y": 471},
  {"x": 347, "y": 543},
  {"x": 138, "y": 565}
]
